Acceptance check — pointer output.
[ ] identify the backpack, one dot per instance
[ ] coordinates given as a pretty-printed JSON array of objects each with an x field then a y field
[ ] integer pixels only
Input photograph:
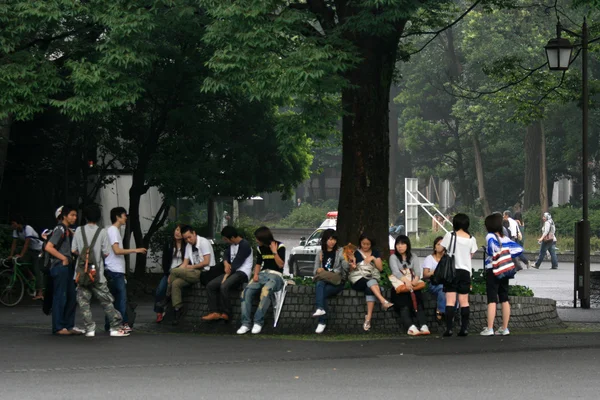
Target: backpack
[
  {"x": 44, "y": 259},
  {"x": 85, "y": 269}
]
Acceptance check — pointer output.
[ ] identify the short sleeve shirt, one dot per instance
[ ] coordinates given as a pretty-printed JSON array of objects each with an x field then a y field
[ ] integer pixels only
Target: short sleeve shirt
[
  {"x": 328, "y": 260},
  {"x": 430, "y": 263},
  {"x": 29, "y": 233},
  {"x": 195, "y": 252},
  {"x": 358, "y": 255},
  {"x": 114, "y": 262},
  {"x": 266, "y": 258},
  {"x": 61, "y": 233},
  {"x": 465, "y": 247},
  {"x": 101, "y": 247}
]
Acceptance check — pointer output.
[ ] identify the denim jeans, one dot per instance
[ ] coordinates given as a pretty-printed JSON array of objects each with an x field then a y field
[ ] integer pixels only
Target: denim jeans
[
  {"x": 118, "y": 288},
  {"x": 438, "y": 292},
  {"x": 64, "y": 297},
  {"x": 551, "y": 247},
  {"x": 267, "y": 285},
  {"x": 323, "y": 291},
  {"x": 161, "y": 293}
]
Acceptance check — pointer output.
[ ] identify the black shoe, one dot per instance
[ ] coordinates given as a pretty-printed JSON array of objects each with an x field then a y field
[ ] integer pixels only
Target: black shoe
[
  {"x": 163, "y": 303},
  {"x": 554, "y": 268},
  {"x": 176, "y": 316},
  {"x": 463, "y": 333},
  {"x": 535, "y": 266},
  {"x": 448, "y": 333}
]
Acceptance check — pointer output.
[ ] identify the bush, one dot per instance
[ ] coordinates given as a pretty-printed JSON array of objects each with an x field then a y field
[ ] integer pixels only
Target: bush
[
  {"x": 305, "y": 216},
  {"x": 478, "y": 286}
]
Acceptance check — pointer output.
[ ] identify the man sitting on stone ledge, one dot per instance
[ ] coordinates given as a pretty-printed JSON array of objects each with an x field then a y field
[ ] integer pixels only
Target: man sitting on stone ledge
[
  {"x": 198, "y": 266},
  {"x": 238, "y": 266}
]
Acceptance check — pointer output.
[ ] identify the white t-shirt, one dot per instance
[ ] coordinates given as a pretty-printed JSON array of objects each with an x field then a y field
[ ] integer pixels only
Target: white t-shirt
[
  {"x": 177, "y": 258},
  {"x": 465, "y": 247},
  {"x": 29, "y": 233},
  {"x": 114, "y": 262},
  {"x": 430, "y": 263},
  {"x": 513, "y": 227},
  {"x": 246, "y": 267},
  {"x": 195, "y": 253}
]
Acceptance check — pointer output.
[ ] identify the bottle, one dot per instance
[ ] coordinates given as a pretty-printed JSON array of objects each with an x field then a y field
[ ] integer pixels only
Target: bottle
[{"x": 93, "y": 272}]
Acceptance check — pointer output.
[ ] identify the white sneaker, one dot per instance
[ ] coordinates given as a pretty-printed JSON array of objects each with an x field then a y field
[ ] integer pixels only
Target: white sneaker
[
  {"x": 320, "y": 328},
  {"x": 424, "y": 330},
  {"x": 319, "y": 312},
  {"x": 487, "y": 332},
  {"x": 256, "y": 329},
  {"x": 503, "y": 332},
  {"x": 126, "y": 328},
  {"x": 413, "y": 331},
  {"x": 118, "y": 333},
  {"x": 90, "y": 334},
  {"x": 243, "y": 329},
  {"x": 79, "y": 331}
]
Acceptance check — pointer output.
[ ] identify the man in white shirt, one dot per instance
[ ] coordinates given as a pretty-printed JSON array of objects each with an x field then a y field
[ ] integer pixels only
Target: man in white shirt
[
  {"x": 198, "y": 266},
  {"x": 32, "y": 245},
  {"x": 238, "y": 266},
  {"x": 115, "y": 264},
  {"x": 515, "y": 234},
  {"x": 99, "y": 289}
]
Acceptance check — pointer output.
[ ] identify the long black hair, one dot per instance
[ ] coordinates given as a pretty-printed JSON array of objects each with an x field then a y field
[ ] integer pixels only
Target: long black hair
[
  {"x": 174, "y": 243},
  {"x": 328, "y": 234},
  {"x": 404, "y": 240},
  {"x": 264, "y": 236},
  {"x": 435, "y": 242}
]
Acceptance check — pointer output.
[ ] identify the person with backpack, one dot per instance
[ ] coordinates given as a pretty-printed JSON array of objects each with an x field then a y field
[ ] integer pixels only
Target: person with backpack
[
  {"x": 90, "y": 244},
  {"x": 115, "y": 265},
  {"x": 32, "y": 245},
  {"x": 61, "y": 271},
  {"x": 547, "y": 242}
]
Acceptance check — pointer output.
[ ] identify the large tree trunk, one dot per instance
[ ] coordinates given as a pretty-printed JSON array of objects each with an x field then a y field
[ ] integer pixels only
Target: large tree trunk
[
  {"x": 137, "y": 190},
  {"x": 393, "y": 123},
  {"x": 544, "y": 203},
  {"x": 4, "y": 139},
  {"x": 485, "y": 205},
  {"x": 464, "y": 189},
  {"x": 533, "y": 154},
  {"x": 365, "y": 164}
]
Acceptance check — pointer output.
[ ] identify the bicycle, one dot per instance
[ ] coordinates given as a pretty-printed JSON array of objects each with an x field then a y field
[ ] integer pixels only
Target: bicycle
[{"x": 14, "y": 281}]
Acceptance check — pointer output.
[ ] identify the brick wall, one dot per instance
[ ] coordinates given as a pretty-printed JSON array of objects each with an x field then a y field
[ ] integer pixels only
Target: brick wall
[
  {"x": 595, "y": 288},
  {"x": 347, "y": 311}
]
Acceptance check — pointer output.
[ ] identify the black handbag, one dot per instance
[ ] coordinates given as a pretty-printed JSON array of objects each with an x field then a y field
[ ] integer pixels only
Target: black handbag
[{"x": 445, "y": 271}]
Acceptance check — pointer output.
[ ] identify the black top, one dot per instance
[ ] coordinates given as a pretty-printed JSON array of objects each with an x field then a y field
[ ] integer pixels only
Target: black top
[
  {"x": 167, "y": 256},
  {"x": 266, "y": 258},
  {"x": 328, "y": 260},
  {"x": 374, "y": 252}
]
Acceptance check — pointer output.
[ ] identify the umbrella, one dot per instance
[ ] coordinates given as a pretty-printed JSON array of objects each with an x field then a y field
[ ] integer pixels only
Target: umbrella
[{"x": 279, "y": 298}]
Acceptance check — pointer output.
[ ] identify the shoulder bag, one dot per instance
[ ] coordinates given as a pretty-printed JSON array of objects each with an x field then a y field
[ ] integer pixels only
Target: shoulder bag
[
  {"x": 503, "y": 265},
  {"x": 445, "y": 270}
]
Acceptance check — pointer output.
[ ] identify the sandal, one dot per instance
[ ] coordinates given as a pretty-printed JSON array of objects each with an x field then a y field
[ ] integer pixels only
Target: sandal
[
  {"x": 439, "y": 315},
  {"x": 367, "y": 324},
  {"x": 386, "y": 305}
]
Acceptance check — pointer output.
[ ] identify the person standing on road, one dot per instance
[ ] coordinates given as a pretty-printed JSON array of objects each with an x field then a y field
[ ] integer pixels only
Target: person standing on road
[
  {"x": 115, "y": 265},
  {"x": 98, "y": 289},
  {"x": 330, "y": 273},
  {"x": 497, "y": 289},
  {"x": 62, "y": 272},
  {"x": 406, "y": 267},
  {"x": 429, "y": 266},
  {"x": 172, "y": 257},
  {"x": 267, "y": 279},
  {"x": 199, "y": 265},
  {"x": 466, "y": 246},
  {"x": 238, "y": 266},
  {"x": 32, "y": 245},
  {"x": 547, "y": 242}
]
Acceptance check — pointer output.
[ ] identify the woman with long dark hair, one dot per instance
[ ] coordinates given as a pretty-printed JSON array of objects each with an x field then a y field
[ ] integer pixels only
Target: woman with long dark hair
[
  {"x": 408, "y": 305},
  {"x": 365, "y": 270},
  {"x": 172, "y": 257},
  {"x": 462, "y": 245},
  {"x": 429, "y": 266}
]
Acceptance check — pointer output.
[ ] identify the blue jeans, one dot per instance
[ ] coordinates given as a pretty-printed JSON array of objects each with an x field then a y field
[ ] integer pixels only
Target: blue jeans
[
  {"x": 438, "y": 292},
  {"x": 323, "y": 291},
  {"x": 267, "y": 285},
  {"x": 161, "y": 293},
  {"x": 551, "y": 247},
  {"x": 64, "y": 298},
  {"x": 117, "y": 287}
]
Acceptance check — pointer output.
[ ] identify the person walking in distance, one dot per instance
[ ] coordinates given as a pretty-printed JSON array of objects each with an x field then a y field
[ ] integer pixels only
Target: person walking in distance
[
  {"x": 83, "y": 238},
  {"x": 514, "y": 234},
  {"x": 547, "y": 242},
  {"x": 115, "y": 264}
]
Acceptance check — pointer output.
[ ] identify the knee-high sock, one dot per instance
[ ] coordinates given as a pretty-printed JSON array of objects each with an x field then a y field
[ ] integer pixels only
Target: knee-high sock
[
  {"x": 464, "y": 318},
  {"x": 450, "y": 310}
]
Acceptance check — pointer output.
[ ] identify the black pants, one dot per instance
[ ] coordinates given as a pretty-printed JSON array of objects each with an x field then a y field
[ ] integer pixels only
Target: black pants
[
  {"x": 404, "y": 307},
  {"x": 218, "y": 291},
  {"x": 212, "y": 273}
]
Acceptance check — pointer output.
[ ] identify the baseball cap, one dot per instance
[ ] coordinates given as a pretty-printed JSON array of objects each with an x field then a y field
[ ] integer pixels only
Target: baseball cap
[{"x": 58, "y": 212}]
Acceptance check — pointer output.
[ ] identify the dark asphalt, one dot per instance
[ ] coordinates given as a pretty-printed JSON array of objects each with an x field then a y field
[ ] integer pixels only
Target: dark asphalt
[{"x": 35, "y": 364}]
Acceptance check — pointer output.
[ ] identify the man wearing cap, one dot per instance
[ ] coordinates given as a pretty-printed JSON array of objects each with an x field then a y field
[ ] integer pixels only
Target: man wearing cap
[{"x": 547, "y": 242}]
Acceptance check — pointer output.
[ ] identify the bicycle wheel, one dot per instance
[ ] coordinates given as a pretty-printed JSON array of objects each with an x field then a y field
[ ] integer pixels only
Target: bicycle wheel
[{"x": 12, "y": 288}]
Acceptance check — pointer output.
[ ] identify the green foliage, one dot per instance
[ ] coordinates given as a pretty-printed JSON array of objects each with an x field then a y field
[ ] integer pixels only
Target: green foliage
[
  {"x": 305, "y": 216},
  {"x": 478, "y": 286}
]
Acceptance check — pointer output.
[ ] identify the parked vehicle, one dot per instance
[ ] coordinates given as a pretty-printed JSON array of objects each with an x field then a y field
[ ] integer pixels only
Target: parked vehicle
[{"x": 302, "y": 258}]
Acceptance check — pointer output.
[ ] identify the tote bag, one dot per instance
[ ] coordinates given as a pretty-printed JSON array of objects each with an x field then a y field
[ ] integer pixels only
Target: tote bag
[{"x": 445, "y": 271}]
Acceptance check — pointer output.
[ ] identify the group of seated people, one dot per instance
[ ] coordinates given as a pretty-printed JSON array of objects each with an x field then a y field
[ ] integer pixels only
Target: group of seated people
[{"x": 190, "y": 259}]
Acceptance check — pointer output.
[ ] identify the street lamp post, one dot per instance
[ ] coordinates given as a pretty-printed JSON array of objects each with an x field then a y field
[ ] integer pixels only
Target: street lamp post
[{"x": 558, "y": 53}]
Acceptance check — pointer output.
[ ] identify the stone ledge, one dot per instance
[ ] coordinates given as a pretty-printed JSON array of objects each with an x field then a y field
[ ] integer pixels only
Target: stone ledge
[{"x": 347, "y": 311}]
